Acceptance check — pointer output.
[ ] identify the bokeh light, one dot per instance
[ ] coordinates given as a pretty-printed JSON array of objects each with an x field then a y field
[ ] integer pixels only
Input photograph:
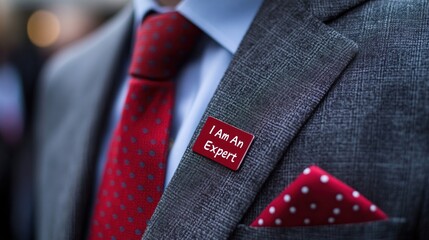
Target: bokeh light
[{"x": 43, "y": 28}]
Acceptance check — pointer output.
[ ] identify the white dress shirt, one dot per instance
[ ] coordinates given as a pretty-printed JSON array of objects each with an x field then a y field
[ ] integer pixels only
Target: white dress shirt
[{"x": 224, "y": 23}]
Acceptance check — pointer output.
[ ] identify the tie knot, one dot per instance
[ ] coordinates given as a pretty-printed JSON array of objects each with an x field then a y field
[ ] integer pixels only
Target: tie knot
[{"x": 164, "y": 41}]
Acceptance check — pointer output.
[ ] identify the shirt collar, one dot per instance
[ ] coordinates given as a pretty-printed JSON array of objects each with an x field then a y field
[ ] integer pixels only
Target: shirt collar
[
  {"x": 142, "y": 7},
  {"x": 225, "y": 21}
]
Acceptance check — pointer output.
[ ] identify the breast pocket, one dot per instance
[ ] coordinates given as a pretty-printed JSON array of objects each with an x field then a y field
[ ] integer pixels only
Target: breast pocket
[{"x": 381, "y": 230}]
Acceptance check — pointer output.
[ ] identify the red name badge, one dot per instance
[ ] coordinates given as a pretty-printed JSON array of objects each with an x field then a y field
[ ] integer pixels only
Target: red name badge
[{"x": 223, "y": 143}]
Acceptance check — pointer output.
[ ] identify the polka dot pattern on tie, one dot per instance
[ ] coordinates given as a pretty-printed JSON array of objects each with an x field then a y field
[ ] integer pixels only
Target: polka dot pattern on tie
[
  {"x": 134, "y": 174},
  {"x": 318, "y": 198}
]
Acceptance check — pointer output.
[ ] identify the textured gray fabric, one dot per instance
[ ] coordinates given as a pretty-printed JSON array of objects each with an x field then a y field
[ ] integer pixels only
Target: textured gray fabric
[
  {"x": 372, "y": 128},
  {"x": 341, "y": 84},
  {"x": 73, "y": 89}
]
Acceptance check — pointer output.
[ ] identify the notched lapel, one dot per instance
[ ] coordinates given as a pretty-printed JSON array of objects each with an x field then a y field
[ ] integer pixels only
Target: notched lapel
[
  {"x": 327, "y": 10},
  {"x": 284, "y": 67}
]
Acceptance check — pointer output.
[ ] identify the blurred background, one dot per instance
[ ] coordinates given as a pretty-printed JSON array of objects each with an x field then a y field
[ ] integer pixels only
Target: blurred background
[{"x": 30, "y": 32}]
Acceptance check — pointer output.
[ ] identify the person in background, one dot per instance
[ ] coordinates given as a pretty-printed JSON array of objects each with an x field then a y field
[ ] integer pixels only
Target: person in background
[
  {"x": 339, "y": 84},
  {"x": 20, "y": 64},
  {"x": 11, "y": 116}
]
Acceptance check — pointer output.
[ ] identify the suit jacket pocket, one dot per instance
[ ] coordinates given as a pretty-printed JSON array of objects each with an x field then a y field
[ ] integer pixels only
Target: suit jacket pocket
[{"x": 389, "y": 229}]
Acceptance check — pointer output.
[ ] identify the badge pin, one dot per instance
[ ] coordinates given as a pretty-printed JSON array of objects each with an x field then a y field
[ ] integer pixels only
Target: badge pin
[{"x": 223, "y": 143}]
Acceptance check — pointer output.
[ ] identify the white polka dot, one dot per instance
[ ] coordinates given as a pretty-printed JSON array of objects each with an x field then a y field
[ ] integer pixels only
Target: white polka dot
[
  {"x": 355, "y": 194},
  {"x": 331, "y": 220},
  {"x": 292, "y": 209},
  {"x": 313, "y": 206},
  {"x": 306, "y": 221},
  {"x": 355, "y": 207},
  {"x": 324, "y": 179},
  {"x": 261, "y": 222},
  {"x": 272, "y": 210},
  {"x": 286, "y": 198},
  {"x": 336, "y": 211},
  {"x": 339, "y": 197},
  {"x": 278, "y": 221},
  {"x": 305, "y": 190},
  {"x": 373, "y": 208},
  {"x": 307, "y": 171}
]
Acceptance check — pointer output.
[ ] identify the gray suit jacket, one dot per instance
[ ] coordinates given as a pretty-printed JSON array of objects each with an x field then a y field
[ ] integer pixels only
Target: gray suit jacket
[{"x": 343, "y": 84}]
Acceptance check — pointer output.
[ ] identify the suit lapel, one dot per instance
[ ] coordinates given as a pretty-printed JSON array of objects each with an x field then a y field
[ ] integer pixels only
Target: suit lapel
[
  {"x": 327, "y": 10},
  {"x": 284, "y": 67},
  {"x": 73, "y": 126}
]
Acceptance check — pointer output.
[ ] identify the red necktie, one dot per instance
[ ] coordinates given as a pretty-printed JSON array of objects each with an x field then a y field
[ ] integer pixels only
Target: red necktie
[
  {"x": 133, "y": 178},
  {"x": 318, "y": 198}
]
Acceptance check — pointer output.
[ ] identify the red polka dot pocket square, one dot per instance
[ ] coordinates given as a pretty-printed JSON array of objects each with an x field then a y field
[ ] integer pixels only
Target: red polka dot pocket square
[{"x": 318, "y": 198}]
